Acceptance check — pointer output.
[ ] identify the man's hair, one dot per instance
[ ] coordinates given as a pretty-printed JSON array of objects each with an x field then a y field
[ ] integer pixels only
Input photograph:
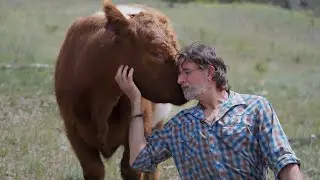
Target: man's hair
[{"x": 204, "y": 56}]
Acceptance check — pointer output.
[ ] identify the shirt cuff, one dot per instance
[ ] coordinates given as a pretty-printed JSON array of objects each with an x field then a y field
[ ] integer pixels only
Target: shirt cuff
[
  {"x": 143, "y": 161},
  {"x": 285, "y": 160}
]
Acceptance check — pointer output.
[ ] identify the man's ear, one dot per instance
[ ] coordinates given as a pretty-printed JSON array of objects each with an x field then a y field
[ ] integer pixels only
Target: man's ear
[
  {"x": 116, "y": 21},
  {"x": 211, "y": 72}
]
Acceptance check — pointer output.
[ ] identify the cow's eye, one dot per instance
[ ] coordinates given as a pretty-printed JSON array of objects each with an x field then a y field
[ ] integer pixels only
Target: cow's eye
[{"x": 157, "y": 56}]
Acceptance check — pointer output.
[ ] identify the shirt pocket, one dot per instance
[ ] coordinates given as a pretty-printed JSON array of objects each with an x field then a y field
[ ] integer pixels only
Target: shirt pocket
[
  {"x": 190, "y": 144},
  {"x": 193, "y": 155},
  {"x": 236, "y": 136}
]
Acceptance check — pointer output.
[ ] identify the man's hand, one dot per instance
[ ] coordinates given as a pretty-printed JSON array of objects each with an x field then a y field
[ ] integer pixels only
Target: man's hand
[{"x": 125, "y": 82}]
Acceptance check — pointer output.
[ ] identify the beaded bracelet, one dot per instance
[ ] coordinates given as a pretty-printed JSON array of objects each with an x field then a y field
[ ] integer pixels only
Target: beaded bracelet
[{"x": 137, "y": 115}]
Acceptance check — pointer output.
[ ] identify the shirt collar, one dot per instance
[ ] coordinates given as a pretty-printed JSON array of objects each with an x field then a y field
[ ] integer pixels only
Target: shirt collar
[{"x": 234, "y": 99}]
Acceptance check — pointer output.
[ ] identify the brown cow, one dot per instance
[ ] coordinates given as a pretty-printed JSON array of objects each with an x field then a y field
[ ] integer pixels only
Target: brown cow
[{"x": 94, "y": 109}]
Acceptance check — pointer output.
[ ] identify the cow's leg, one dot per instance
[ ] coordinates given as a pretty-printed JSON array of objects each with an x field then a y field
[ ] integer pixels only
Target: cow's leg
[
  {"x": 90, "y": 161},
  {"x": 127, "y": 172},
  {"x": 151, "y": 176},
  {"x": 103, "y": 104}
]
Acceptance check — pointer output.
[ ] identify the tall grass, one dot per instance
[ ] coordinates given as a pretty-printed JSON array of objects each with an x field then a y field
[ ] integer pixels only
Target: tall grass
[{"x": 270, "y": 51}]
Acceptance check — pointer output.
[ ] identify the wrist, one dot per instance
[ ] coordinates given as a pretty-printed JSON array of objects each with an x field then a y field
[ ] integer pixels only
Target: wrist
[
  {"x": 136, "y": 107},
  {"x": 135, "y": 102}
]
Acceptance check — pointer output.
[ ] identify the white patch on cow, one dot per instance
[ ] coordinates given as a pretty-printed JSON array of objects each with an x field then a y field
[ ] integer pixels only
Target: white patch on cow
[
  {"x": 99, "y": 13},
  {"x": 161, "y": 112},
  {"x": 127, "y": 10}
]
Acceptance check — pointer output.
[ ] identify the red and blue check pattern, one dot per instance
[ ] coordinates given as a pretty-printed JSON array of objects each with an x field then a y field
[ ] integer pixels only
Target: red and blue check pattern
[{"x": 246, "y": 139}]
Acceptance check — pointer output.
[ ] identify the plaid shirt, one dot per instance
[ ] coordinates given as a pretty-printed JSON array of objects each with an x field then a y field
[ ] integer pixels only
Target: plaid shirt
[{"x": 246, "y": 139}]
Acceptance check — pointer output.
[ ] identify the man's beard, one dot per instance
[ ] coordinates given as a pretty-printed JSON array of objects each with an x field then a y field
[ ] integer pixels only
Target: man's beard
[{"x": 194, "y": 91}]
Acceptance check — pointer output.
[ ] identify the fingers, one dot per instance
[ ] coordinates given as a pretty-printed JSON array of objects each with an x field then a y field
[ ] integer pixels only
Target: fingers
[
  {"x": 123, "y": 76},
  {"x": 130, "y": 74},
  {"x": 119, "y": 72}
]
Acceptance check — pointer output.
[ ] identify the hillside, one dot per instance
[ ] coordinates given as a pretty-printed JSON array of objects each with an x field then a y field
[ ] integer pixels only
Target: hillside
[{"x": 270, "y": 51}]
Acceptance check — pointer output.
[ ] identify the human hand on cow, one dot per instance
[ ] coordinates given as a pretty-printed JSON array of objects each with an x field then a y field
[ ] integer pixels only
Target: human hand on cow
[{"x": 125, "y": 82}]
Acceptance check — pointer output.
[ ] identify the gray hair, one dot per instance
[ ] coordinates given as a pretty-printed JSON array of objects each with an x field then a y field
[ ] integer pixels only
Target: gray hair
[{"x": 205, "y": 56}]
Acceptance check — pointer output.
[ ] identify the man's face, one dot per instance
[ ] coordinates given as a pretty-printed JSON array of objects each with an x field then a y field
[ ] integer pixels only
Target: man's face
[{"x": 193, "y": 80}]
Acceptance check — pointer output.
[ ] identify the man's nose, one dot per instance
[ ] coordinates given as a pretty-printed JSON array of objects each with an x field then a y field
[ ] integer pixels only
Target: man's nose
[{"x": 181, "y": 79}]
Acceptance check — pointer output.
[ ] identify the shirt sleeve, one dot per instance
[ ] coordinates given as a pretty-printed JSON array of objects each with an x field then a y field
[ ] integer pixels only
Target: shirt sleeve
[
  {"x": 274, "y": 143},
  {"x": 156, "y": 151}
]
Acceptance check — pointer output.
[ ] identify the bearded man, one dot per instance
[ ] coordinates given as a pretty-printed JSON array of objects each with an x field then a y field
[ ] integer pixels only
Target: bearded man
[{"x": 227, "y": 135}]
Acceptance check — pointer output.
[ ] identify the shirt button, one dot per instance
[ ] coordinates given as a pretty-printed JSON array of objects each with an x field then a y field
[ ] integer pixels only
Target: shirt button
[
  {"x": 212, "y": 149},
  {"x": 218, "y": 165}
]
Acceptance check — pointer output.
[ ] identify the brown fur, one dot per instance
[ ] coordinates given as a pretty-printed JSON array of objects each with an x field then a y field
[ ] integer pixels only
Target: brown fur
[{"x": 94, "y": 109}]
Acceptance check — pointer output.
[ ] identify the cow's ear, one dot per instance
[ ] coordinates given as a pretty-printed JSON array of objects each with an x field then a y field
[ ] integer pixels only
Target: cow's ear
[{"x": 115, "y": 19}]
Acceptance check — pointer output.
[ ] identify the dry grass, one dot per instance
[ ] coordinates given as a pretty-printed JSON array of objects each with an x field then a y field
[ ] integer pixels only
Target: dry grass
[{"x": 270, "y": 51}]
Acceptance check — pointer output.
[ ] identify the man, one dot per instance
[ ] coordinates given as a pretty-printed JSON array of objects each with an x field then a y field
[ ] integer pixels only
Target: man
[{"x": 227, "y": 135}]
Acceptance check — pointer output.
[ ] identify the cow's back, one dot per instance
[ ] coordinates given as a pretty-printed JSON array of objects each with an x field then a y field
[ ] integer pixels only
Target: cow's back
[
  {"x": 82, "y": 66},
  {"x": 73, "y": 58}
]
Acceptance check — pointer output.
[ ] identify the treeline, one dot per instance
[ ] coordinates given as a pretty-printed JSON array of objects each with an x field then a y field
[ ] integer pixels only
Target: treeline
[{"x": 287, "y": 4}]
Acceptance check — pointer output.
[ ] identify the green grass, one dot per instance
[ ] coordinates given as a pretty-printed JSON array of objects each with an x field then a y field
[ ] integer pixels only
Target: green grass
[{"x": 270, "y": 51}]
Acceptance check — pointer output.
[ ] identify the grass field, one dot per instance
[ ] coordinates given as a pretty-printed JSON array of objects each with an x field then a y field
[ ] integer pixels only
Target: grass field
[{"x": 270, "y": 51}]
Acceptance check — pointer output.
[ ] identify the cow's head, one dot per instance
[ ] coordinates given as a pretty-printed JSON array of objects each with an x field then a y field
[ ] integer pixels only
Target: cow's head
[{"x": 152, "y": 45}]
